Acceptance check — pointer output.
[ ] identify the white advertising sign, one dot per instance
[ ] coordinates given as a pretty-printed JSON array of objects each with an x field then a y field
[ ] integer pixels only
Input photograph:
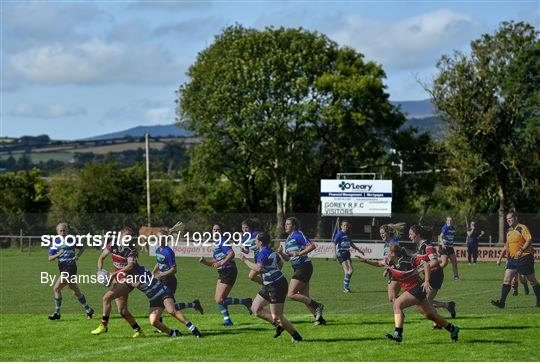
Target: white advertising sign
[
  {"x": 323, "y": 250},
  {"x": 360, "y": 198}
]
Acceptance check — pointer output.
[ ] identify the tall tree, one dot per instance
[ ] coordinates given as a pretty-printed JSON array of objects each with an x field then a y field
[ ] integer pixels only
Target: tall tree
[
  {"x": 489, "y": 109},
  {"x": 285, "y": 105}
]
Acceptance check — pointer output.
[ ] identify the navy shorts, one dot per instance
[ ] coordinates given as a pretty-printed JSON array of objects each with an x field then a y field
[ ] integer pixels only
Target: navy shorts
[
  {"x": 343, "y": 256},
  {"x": 171, "y": 284},
  {"x": 418, "y": 292},
  {"x": 448, "y": 250},
  {"x": 276, "y": 292},
  {"x": 523, "y": 265},
  {"x": 70, "y": 268},
  {"x": 158, "y": 301},
  {"x": 227, "y": 275},
  {"x": 303, "y": 272},
  {"x": 436, "y": 278}
]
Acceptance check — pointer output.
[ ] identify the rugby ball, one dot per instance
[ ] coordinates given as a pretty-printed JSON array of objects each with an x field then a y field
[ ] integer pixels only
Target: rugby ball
[{"x": 103, "y": 277}]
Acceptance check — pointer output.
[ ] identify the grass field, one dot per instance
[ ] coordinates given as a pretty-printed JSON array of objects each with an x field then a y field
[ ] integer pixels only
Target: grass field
[{"x": 355, "y": 331}]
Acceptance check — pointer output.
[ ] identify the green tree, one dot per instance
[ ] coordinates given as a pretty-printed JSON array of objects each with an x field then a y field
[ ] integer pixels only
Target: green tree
[
  {"x": 490, "y": 102},
  {"x": 283, "y": 108},
  {"x": 23, "y": 199}
]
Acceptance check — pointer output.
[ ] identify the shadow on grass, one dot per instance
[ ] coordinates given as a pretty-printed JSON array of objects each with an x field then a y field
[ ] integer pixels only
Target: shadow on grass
[
  {"x": 521, "y": 327},
  {"x": 498, "y": 341},
  {"x": 334, "y": 340}
]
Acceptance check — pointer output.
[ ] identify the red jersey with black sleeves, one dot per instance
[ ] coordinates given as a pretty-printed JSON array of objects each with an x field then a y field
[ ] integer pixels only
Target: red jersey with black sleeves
[
  {"x": 120, "y": 256},
  {"x": 405, "y": 271},
  {"x": 427, "y": 251}
]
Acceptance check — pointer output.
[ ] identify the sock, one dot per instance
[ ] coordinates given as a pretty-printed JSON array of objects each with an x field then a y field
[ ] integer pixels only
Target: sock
[
  {"x": 346, "y": 281},
  {"x": 57, "y": 305},
  {"x": 235, "y": 301},
  {"x": 184, "y": 305},
  {"x": 536, "y": 289},
  {"x": 136, "y": 327},
  {"x": 105, "y": 320},
  {"x": 399, "y": 330},
  {"x": 275, "y": 323},
  {"x": 296, "y": 336},
  {"x": 223, "y": 310},
  {"x": 449, "y": 327},
  {"x": 190, "y": 326},
  {"x": 504, "y": 292},
  {"x": 314, "y": 304},
  {"x": 83, "y": 302}
]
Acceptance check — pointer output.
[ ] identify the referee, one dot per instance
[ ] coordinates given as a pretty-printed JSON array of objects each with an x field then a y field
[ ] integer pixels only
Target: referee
[{"x": 520, "y": 258}]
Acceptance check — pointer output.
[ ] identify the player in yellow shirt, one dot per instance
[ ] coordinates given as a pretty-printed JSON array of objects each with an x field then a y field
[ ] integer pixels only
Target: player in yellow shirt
[{"x": 520, "y": 254}]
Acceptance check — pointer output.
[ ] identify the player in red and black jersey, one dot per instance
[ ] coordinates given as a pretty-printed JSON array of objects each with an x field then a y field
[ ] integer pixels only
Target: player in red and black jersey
[
  {"x": 427, "y": 251},
  {"x": 124, "y": 260},
  {"x": 405, "y": 270}
]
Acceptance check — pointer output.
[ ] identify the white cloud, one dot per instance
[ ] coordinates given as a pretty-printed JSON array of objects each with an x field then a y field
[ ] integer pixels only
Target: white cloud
[
  {"x": 141, "y": 112},
  {"x": 409, "y": 43},
  {"x": 46, "y": 111},
  {"x": 97, "y": 62},
  {"x": 159, "y": 115}
]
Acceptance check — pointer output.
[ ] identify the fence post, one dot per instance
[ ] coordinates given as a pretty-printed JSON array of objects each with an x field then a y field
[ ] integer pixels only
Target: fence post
[
  {"x": 29, "y": 244},
  {"x": 21, "y": 240}
]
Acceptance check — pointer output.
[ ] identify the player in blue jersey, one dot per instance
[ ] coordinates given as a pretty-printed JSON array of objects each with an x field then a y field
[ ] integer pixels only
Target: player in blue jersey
[
  {"x": 390, "y": 234},
  {"x": 446, "y": 242},
  {"x": 160, "y": 297},
  {"x": 342, "y": 245},
  {"x": 223, "y": 261},
  {"x": 250, "y": 229},
  {"x": 165, "y": 271},
  {"x": 297, "y": 247},
  {"x": 63, "y": 249},
  {"x": 275, "y": 287}
]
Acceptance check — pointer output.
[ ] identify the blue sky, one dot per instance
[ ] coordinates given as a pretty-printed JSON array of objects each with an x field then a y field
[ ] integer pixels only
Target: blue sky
[{"x": 74, "y": 69}]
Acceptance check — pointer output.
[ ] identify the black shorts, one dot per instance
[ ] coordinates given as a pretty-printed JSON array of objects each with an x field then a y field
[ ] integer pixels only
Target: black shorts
[
  {"x": 158, "y": 302},
  {"x": 276, "y": 292},
  {"x": 448, "y": 250},
  {"x": 436, "y": 278},
  {"x": 343, "y": 256},
  {"x": 227, "y": 275},
  {"x": 171, "y": 284},
  {"x": 303, "y": 272},
  {"x": 523, "y": 265},
  {"x": 70, "y": 268},
  {"x": 418, "y": 292}
]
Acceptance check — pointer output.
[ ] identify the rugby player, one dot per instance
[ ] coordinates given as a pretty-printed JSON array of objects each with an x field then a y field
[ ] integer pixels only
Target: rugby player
[
  {"x": 223, "y": 261},
  {"x": 249, "y": 243},
  {"x": 160, "y": 297},
  {"x": 446, "y": 242},
  {"x": 165, "y": 271},
  {"x": 275, "y": 287},
  {"x": 427, "y": 252},
  {"x": 404, "y": 269},
  {"x": 342, "y": 245},
  {"x": 124, "y": 258},
  {"x": 63, "y": 250},
  {"x": 390, "y": 234},
  {"x": 297, "y": 247}
]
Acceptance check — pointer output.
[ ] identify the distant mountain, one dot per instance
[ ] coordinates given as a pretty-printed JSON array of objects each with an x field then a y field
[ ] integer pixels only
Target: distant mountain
[
  {"x": 420, "y": 114},
  {"x": 139, "y": 131},
  {"x": 416, "y": 109},
  {"x": 432, "y": 125}
]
